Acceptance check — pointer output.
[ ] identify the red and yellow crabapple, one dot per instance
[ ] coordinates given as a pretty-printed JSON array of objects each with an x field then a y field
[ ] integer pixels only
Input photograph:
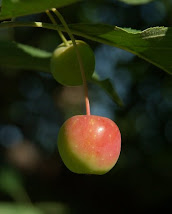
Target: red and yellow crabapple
[{"x": 89, "y": 144}]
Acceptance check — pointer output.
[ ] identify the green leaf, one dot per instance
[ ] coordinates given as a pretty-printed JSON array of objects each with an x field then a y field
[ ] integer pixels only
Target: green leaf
[
  {"x": 15, "y": 8},
  {"x": 53, "y": 208},
  {"x": 21, "y": 56},
  {"x": 135, "y": 2},
  {"x": 107, "y": 86},
  {"x": 16, "y": 55},
  {"x": 11, "y": 184},
  {"x": 9, "y": 208},
  {"x": 153, "y": 44},
  {"x": 9, "y": 181}
]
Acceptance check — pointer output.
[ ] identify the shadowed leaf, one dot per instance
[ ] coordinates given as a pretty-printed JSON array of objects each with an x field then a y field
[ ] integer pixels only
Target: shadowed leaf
[
  {"x": 135, "y": 2},
  {"x": 16, "y": 55},
  {"x": 15, "y": 8},
  {"x": 107, "y": 86}
]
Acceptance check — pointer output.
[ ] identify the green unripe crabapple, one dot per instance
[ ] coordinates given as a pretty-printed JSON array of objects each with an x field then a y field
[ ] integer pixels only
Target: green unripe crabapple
[
  {"x": 65, "y": 66},
  {"x": 89, "y": 144}
]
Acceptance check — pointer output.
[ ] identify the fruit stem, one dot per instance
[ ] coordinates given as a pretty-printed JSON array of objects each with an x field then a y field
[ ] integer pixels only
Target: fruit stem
[
  {"x": 87, "y": 103},
  {"x": 59, "y": 32}
]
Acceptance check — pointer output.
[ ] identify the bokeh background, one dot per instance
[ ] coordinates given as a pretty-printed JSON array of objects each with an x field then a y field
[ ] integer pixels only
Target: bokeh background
[{"x": 33, "y": 106}]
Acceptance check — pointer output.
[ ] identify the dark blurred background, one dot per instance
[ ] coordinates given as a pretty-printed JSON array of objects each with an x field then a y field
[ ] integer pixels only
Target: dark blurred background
[{"x": 33, "y": 107}]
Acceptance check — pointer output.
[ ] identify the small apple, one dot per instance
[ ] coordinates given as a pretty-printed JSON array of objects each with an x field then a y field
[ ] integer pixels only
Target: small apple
[
  {"x": 64, "y": 63},
  {"x": 89, "y": 144}
]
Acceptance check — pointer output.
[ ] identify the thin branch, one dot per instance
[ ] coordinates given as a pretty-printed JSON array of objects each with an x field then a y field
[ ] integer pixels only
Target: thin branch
[
  {"x": 87, "y": 103},
  {"x": 59, "y": 31}
]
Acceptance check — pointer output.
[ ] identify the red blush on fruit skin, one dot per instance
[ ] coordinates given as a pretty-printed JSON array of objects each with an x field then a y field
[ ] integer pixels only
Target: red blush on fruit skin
[{"x": 94, "y": 139}]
